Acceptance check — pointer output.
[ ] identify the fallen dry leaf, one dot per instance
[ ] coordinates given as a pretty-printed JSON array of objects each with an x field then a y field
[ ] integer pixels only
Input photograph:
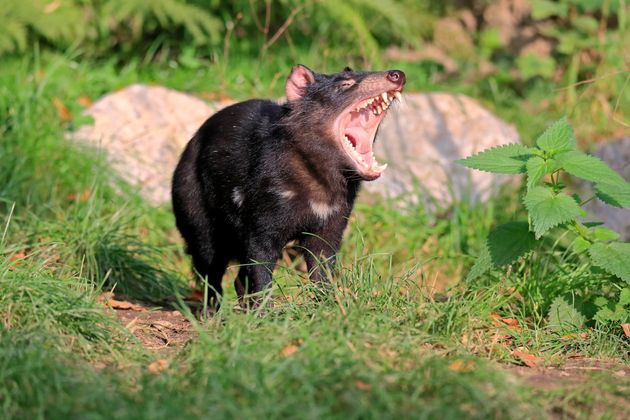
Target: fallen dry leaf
[
  {"x": 51, "y": 7},
  {"x": 626, "y": 329},
  {"x": 573, "y": 336},
  {"x": 62, "y": 110},
  {"x": 158, "y": 366},
  {"x": 510, "y": 321},
  {"x": 289, "y": 350},
  {"x": 15, "y": 259},
  {"x": 84, "y": 100},
  {"x": 85, "y": 195},
  {"x": 515, "y": 293},
  {"x": 463, "y": 366},
  {"x": 528, "y": 359},
  {"x": 498, "y": 321},
  {"x": 124, "y": 305},
  {"x": 363, "y": 386},
  {"x": 17, "y": 256}
]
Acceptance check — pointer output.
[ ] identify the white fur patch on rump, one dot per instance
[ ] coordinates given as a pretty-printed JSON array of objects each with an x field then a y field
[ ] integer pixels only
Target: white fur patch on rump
[{"x": 237, "y": 197}]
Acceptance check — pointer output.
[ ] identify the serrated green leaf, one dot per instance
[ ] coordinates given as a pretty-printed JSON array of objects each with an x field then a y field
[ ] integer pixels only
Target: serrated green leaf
[
  {"x": 508, "y": 159},
  {"x": 563, "y": 317},
  {"x": 616, "y": 194},
  {"x": 587, "y": 167},
  {"x": 548, "y": 210},
  {"x": 600, "y": 301},
  {"x": 483, "y": 263},
  {"x": 537, "y": 168},
  {"x": 558, "y": 137},
  {"x": 614, "y": 258},
  {"x": 604, "y": 234},
  {"x": 510, "y": 241},
  {"x": 605, "y": 314},
  {"x": 580, "y": 245},
  {"x": 624, "y": 297}
]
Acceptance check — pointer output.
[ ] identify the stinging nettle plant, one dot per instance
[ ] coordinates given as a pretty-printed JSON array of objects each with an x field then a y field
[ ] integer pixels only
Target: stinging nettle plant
[{"x": 549, "y": 206}]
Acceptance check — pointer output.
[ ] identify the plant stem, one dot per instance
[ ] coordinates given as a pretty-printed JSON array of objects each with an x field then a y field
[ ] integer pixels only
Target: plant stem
[
  {"x": 587, "y": 201},
  {"x": 580, "y": 230}
]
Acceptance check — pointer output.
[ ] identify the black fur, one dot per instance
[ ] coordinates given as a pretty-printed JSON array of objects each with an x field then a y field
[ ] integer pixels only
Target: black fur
[{"x": 247, "y": 181}]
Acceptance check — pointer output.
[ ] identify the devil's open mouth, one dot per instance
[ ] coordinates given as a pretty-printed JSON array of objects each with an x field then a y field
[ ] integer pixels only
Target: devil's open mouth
[{"x": 357, "y": 125}]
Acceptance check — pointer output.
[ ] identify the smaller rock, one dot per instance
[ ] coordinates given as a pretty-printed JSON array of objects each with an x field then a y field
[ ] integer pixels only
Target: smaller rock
[
  {"x": 143, "y": 130},
  {"x": 616, "y": 153}
]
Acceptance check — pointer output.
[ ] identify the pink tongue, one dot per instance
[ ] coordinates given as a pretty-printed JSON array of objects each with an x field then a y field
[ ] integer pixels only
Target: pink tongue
[
  {"x": 356, "y": 129},
  {"x": 359, "y": 135},
  {"x": 367, "y": 158}
]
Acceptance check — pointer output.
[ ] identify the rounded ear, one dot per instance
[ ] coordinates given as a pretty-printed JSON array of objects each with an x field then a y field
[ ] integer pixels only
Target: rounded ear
[
  {"x": 347, "y": 69},
  {"x": 297, "y": 82}
]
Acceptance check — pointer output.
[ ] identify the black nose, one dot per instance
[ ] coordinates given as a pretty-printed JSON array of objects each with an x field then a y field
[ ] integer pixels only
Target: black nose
[{"x": 396, "y": 76}]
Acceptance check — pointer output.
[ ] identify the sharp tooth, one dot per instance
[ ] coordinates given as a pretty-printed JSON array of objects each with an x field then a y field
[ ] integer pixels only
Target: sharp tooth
[
  {"x": 379, "y": 109},
  {"x": 384, "y": 96},
  {"x": 379, "y": 168},
  {"x": 397, "y": 95}
]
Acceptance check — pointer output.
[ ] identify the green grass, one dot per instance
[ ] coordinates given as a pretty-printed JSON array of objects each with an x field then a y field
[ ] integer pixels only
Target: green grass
[{"x": 389, "y": 341}]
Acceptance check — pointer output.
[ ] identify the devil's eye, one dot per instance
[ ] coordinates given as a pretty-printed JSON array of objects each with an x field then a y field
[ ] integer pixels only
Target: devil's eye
[{"x": 347, "y": 83}]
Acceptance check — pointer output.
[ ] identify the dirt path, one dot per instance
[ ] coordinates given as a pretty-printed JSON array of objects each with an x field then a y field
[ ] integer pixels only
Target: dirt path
[
  {"x": 167, "y": 331},
  {"x": 161, "y": 330}
]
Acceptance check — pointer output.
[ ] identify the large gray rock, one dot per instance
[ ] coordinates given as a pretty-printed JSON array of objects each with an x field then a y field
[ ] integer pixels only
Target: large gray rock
[
  {"x": 143, "y": 129},
  {"x": 617, "y": 155},
  {"x": 421, "y": 139}
]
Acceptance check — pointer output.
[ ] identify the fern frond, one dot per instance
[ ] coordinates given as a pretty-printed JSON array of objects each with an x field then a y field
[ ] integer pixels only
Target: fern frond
[{"x": 164, "y": 15}]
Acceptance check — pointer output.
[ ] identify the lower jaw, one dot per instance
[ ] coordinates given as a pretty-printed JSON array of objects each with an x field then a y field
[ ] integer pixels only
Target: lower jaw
[{"x": 364, "y": 173}]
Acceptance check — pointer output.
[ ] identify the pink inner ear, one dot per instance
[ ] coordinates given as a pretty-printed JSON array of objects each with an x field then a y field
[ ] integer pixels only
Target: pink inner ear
[{"x": 297, "y": 82}]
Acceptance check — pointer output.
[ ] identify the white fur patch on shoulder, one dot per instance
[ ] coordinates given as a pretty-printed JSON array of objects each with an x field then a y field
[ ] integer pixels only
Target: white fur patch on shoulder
[
  {"x": 237, "y": 197},
  {"x": 322, "y": 210},
  {"x": 286, "y": 194}
]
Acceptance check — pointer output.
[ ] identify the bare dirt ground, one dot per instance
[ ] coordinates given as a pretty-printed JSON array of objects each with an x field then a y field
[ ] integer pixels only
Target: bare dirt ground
[
  {"x": 161, "y": 330},
  {"x": 166, "y": 331}
]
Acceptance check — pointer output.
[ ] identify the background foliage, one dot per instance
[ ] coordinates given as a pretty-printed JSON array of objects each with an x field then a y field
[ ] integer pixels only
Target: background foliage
[{"x": 508, "y": 48}]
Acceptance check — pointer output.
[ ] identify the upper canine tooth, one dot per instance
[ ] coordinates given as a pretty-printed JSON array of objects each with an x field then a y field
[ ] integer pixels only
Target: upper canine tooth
[
  {"x": 384, "y": 96},
  {"x": 397, "y": 95}
]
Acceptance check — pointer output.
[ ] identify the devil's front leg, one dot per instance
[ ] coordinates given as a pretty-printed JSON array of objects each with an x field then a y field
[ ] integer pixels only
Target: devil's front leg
[{"x": 320, "y": 248}]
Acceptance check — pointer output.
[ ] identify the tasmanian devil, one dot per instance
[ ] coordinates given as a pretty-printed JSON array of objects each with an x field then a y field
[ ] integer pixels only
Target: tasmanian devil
[{"x": 258, "y": 174}]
